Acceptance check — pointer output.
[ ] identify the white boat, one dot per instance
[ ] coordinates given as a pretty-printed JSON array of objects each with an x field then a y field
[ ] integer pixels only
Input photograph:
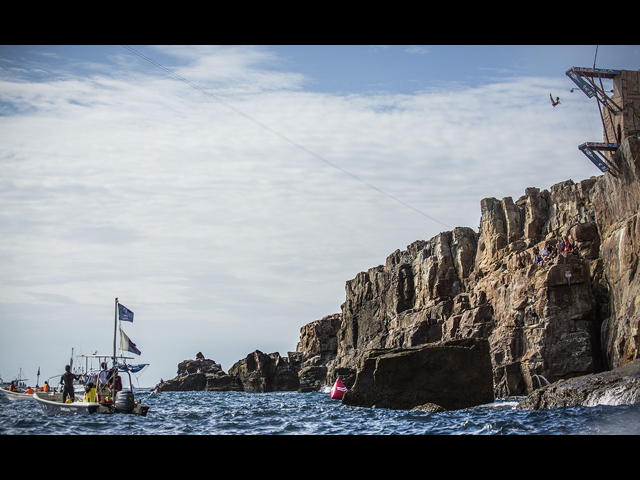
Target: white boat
[
  {"x": 52, "y": 404},
  {"x": 19, "y": 390},
  {"x": 107, "y": 383},
  {"x": 20, "y": 395}
]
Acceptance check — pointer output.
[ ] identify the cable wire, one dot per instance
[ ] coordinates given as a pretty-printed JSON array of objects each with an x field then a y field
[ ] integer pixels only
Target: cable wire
[{"x": 266, "y": 127}]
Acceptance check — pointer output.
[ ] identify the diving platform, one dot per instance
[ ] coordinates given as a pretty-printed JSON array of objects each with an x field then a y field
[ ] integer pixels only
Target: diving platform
[
  {"x": 592, "y": 151},
  {"x": 595, "y": 72},
  {"x": 618, "y": 112},
  {"x": 589, "y": 88}
]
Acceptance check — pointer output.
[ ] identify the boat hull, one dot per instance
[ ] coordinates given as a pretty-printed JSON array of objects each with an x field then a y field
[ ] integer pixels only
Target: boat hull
[{"x": 51, "y": 404}]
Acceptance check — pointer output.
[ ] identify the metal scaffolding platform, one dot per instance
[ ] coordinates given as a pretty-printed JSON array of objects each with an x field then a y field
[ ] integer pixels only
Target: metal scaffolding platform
[
  {"x": 592, "y": 151},
  {"x": 584, "y": 79},
  {"x": 589, "y": 87}
]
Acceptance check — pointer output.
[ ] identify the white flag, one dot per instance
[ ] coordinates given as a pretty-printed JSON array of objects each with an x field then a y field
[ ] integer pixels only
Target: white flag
[{"x": 127, "y": 344}]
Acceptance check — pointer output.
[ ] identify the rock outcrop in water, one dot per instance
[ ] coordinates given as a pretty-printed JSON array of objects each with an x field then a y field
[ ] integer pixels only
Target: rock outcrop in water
[
  {"x": 260, "y": 373},
  {"x": 200, "y": 374},
  {"x": 452, "y": 375},
  {"x": 256, "y": 373},
  {"x": 620, "y": 386},
  {"x": 572, "y": 314}
]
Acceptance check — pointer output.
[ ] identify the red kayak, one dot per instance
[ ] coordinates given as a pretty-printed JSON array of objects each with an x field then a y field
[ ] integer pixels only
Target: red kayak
[{"x": 338, "y": 390}]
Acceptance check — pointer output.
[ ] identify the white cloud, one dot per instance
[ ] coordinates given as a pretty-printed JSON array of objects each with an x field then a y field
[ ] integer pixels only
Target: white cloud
[{"x": 419, "y": 49}]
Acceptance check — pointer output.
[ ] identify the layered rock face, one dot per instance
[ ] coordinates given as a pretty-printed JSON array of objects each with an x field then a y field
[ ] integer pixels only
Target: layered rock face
[
  {"x": 317, "y": 347},
  {"x": 462, "y": 285},
  {"x": 617, "y": 197},
  {"x": 545, "y": 317}
]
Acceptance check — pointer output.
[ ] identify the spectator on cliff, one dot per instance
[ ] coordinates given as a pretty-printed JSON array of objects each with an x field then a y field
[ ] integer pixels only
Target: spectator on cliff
[
  {"x": 536, "y": 254},
  {"x": 544, "y": 253}
]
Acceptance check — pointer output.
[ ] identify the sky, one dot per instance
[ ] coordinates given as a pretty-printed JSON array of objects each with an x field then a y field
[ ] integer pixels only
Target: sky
[{"x": 226, "y": 194}]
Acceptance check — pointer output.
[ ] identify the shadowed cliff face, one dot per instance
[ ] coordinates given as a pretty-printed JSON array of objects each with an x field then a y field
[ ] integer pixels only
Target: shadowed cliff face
[
  {"x": 541, "y": 318},
  {"x": 617, "y": 200}
]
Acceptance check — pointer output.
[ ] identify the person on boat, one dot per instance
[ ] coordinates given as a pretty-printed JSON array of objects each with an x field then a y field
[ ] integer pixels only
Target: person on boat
[
  {"x": 45, "y": 387},
  {"x": 67, "y": 378},
  {"x": 104, "y": 373},
  {"x": 117, "y": 382},
  {"x": 104, "y": 380},
  {"x": 29, "y": 391},
  {"x": 90, "y": 393}
]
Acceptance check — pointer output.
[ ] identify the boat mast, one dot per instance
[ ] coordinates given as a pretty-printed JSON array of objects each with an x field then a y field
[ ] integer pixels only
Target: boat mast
[{"x": 115, "y": 331}]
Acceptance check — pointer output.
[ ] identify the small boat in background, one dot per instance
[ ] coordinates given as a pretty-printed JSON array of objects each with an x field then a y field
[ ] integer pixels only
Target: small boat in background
[
  {"x": 20, "y": 395},
  {"x": 17, "y": 389}
]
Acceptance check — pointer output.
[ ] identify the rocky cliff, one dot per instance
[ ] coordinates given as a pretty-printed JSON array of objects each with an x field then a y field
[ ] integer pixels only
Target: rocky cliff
[
  {"x": 549, "y": 313},
  {"x": 617, "y": 201},
  {"x": 548, "y": 310}
]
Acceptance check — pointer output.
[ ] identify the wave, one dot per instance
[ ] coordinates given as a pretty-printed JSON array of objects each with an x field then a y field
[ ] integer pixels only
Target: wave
[{"x": 626, "y": 393}]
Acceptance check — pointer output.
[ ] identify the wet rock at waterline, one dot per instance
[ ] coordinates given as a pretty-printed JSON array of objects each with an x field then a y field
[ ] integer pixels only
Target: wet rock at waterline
[{"x": 453, "y": 375}]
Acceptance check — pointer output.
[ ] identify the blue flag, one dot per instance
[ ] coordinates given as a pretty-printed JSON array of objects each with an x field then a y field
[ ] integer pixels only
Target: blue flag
[{"x": 124, "y": 314}]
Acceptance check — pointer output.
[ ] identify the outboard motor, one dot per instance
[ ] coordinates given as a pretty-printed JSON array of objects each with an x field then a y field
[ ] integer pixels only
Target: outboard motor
[{"x": 125, "y": 402}]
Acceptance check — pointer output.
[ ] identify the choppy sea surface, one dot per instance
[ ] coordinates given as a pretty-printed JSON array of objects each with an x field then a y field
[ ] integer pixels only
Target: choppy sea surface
[{"x": 289, "y": 413}]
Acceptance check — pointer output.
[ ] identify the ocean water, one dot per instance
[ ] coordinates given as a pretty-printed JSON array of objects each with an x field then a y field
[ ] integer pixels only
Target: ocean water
[{"x": 288, "y": 413}]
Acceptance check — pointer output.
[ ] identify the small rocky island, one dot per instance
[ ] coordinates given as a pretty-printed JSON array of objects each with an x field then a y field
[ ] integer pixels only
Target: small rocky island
[{"x": 543, "y": 302}]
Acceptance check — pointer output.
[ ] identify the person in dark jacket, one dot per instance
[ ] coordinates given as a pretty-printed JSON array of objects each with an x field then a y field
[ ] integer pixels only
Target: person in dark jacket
[{"x": 68, "y": 378}]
